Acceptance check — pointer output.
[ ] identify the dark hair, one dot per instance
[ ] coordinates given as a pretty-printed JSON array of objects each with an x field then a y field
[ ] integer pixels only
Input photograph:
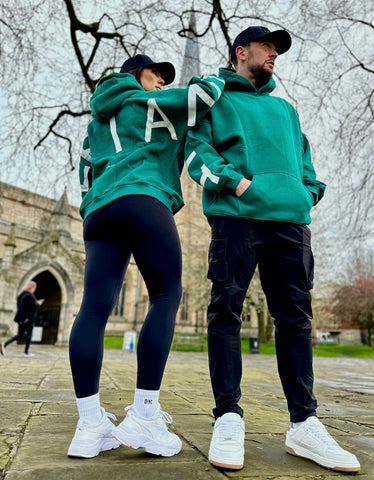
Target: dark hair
[
  {"x": 234, "y": 58},
  {"x": 137, "y": 72},
  {"x": 234, "y": 61}
]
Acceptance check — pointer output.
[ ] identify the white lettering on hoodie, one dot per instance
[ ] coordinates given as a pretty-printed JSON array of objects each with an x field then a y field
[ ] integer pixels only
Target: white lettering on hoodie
[{"x": 151, "y": 123}]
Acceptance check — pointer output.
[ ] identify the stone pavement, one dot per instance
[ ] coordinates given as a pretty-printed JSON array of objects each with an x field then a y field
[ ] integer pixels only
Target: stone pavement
[{"x": 38, "y": 418}]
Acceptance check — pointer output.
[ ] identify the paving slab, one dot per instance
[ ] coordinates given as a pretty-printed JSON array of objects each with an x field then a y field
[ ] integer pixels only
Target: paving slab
[{"x": 38, "y": 418}]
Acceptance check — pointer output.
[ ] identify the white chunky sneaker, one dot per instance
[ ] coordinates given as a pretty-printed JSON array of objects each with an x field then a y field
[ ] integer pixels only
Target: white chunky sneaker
[
  {"x": 311, "y": 440},
  {"x": 90, "y": 440},
  {"x": 150, "y": 434},
  {"x": 227, "y": 446}
]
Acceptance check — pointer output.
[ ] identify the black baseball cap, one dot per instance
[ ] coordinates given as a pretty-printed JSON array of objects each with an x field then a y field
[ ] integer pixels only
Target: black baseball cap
[
  {"x": 281, "y": 38},
  {"x": 166, "y": 69}
]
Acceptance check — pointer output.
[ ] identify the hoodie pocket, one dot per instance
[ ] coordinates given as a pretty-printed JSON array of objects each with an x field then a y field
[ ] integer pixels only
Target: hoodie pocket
[{"x": 277, "y": 196}]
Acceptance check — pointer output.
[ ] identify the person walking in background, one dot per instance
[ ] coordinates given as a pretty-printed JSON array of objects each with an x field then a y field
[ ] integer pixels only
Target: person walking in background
[
  {"x": 259, "y": 185},
  {"x": 27, "y": 305},
  {"x": 130, "y": 180}
]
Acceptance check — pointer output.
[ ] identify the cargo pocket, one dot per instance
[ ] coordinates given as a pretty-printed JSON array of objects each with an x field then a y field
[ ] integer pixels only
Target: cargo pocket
[
  {"x": 308, "y": 258},
  {"x": 217, "y": 271}
]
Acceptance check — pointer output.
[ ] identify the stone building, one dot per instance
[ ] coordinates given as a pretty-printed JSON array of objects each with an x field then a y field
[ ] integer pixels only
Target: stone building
[{"x": 41, "y": 240}]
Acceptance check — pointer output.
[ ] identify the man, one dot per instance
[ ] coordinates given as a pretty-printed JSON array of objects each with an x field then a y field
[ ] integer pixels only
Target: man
[
  {"x": 254, "y": 164},
  {"x": 27, "y": 305}
]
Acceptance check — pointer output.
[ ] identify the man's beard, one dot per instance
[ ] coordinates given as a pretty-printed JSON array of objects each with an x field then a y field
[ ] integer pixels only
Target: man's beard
[{"x": 262, "y": 76}]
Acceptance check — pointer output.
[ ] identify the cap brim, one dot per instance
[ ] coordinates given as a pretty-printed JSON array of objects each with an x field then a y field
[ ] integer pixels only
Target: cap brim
[
  {"x": 166, "y": 69},
  {"x": 281, "y": 39}
]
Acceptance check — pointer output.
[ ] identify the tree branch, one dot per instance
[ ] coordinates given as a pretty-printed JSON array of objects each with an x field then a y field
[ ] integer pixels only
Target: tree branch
[{"x": 56, "y": 120}]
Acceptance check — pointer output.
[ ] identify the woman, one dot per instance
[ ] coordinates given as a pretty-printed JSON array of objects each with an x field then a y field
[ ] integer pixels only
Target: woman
[
  {"x": 27, "y": 305},
  {"x": 130, "y": 180}
]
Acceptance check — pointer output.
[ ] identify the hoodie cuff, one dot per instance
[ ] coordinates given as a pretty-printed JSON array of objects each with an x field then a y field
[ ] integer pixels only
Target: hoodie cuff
[{"x": 233, "y": 181}]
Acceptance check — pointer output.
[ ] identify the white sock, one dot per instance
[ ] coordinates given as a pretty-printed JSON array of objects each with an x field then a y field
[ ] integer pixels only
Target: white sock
[
  {"x": 296, "y": 424},
  {"x": 146, "y": 402},
  {"x": 89, "y": 409}
]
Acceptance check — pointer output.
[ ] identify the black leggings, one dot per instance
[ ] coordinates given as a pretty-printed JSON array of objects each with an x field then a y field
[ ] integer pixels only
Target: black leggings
[
  {"x": 24, "y": 331},
  {"x": 143, "y": 226}
]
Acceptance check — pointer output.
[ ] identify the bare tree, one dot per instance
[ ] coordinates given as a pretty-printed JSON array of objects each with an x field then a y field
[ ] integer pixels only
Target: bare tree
[
  {"x": 353, "y": 303},
  {"x": 345, "y": 110},
  {"x": 54, "y": 54}
]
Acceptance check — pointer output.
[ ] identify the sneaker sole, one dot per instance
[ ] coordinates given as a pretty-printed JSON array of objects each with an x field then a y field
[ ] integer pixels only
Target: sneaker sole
[
  {"x": 147, "y": 446},
  {"x": 291, "y": 451},
  {"x": 226, "y": 466},
  {"x": 109, "y": 444}
]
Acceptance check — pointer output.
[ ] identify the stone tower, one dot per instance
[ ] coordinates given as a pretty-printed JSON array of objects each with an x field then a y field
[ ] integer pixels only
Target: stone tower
[{"x": 192, "y": 226}]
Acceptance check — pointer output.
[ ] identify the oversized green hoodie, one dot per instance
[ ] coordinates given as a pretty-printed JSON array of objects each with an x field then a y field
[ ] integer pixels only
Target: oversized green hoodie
[
  {"x": 133, "y": 140},
  {"x": 251, "y": 134}
]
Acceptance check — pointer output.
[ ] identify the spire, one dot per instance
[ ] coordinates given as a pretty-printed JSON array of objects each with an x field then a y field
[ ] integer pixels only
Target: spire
[
  {"x": 191, "y": 60},
  {"x": 61, "y": 216},
  {"x": 62, "y": 206}
]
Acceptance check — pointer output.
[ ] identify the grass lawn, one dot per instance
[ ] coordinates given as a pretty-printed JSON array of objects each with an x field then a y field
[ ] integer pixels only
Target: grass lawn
[
  {"x": 113, "y": 342},
  {"x": 335, "y": 350},
  {"x": 324, "y": 350}
]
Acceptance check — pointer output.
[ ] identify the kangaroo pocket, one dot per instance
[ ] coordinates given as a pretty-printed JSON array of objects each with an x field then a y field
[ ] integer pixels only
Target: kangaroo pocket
[{"x": 277, "y": 196}]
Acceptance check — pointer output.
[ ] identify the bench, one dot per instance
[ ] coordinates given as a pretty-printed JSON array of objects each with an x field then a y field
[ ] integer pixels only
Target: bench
[{"x": 189, "y": 341}]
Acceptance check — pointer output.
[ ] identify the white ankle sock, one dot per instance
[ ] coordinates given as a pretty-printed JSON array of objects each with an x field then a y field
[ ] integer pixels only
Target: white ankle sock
[
  {"x": 89, "y": 409},
  {"x": 296, "y": 424},
  {"x": 146, "y": 402}
]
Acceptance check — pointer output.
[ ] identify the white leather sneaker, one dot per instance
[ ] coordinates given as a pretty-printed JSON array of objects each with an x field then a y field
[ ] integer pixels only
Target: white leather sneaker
[
  {"x": 227, "y": 445},
  {"x": 90, "y": 440},
  {"x": 311, "y": 440},
  {"x": 150, "y": 434}
]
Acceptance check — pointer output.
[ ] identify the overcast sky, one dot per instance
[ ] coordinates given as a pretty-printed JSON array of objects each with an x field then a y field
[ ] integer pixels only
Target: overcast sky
[{"x": 301, "y": 74}]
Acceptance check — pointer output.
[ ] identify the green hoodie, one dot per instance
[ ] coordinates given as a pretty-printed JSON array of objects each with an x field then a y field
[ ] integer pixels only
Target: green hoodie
[
  {"x": 251, "y": 134},
  {"x": 132, "y": 142}
]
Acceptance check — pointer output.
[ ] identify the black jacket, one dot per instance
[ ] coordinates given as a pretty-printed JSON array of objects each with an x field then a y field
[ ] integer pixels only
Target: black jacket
[{"x": 27, "y": 306}]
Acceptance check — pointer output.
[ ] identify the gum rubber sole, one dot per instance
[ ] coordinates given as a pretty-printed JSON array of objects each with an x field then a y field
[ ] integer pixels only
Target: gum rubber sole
[
  {"x": 226, "y": 465},
  {"x": 291, "y": 451}
]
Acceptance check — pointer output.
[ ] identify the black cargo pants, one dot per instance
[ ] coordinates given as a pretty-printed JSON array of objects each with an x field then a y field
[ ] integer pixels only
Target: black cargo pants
[{"x": 284, "y": 257}]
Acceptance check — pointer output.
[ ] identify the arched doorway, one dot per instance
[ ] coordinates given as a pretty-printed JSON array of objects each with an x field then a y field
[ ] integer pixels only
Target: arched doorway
[{"x": 48, "y": 314}]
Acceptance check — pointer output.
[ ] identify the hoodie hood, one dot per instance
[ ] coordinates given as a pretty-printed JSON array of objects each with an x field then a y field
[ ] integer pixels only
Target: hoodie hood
[{"x": 110, "y": 93}]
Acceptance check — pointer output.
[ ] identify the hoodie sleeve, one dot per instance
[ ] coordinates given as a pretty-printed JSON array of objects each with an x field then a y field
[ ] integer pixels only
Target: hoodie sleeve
[
  {"x": 316, "y": 188},
  {"x": 181, "y": 108},
  {"x": 202, "y": 93},
  {"x": 205, "y": 165},
  {"x": 85, "y": 168}
]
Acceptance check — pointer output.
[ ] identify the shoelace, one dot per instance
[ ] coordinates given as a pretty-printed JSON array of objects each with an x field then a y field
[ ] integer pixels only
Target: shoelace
[
  {"x": 111, "y": 415},
  {"x": 320, "y": 432},
  {"x": 164, "y": 415},
  {"x": 229, "y": 430}
]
